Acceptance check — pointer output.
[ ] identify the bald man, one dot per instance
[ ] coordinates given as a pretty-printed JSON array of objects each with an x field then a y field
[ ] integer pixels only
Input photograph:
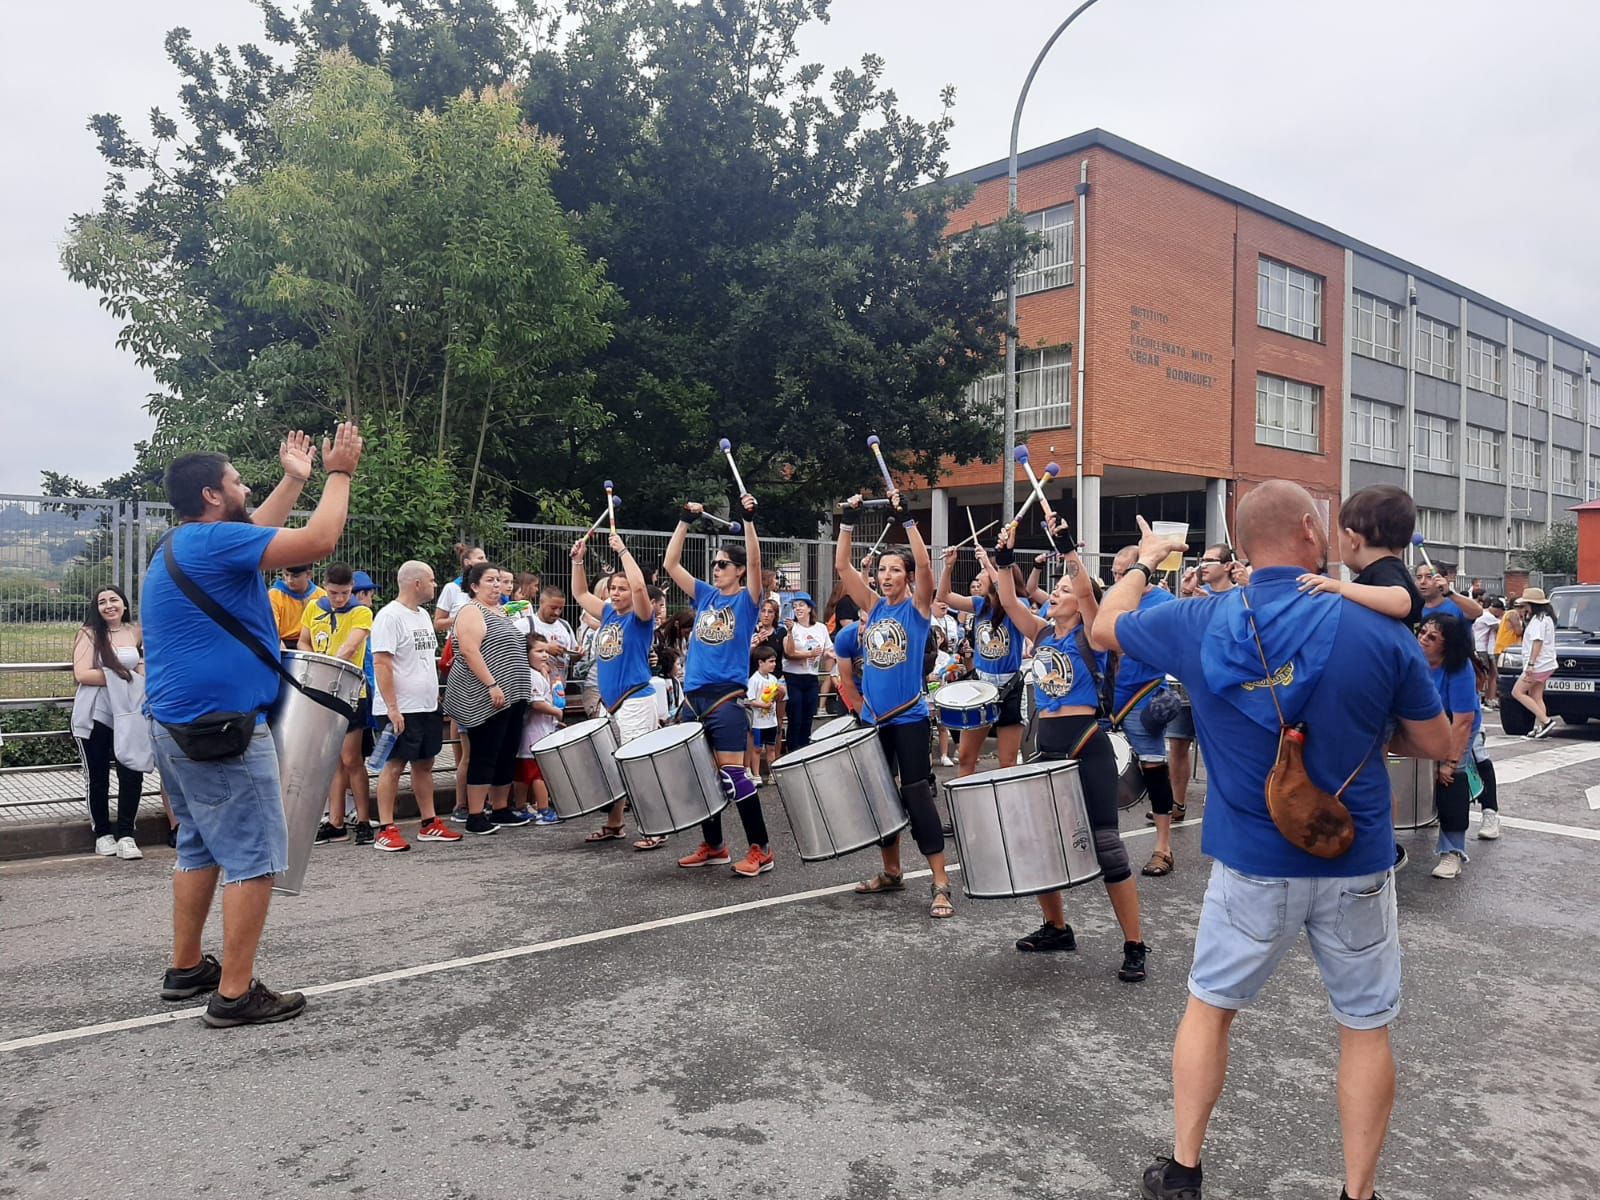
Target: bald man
[{"x": 1343, "y": 672}]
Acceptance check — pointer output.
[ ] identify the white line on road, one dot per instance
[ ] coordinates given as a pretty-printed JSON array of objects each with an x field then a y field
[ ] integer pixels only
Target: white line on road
[
  {"x": 1571, "y": 831},
  {"x": 1593, "y": 795},
  {"x": 1553, "y": 759}
]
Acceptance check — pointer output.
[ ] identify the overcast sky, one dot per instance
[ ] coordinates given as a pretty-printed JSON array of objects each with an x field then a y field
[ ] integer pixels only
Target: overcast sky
[{"x": 1459, "y": 135}]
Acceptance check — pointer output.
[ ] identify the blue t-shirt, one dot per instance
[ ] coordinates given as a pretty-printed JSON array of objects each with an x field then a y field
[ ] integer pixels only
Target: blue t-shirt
[
  {"x": 1131, "y": 673},
  {"x": 719, "y": 643},
  {"x": 622, "y": 652},
  {"x": 997, "y": 643},
  {"x": 1448, "y": 609},
  {"x": 1458, "y": 693},
  {"x": 1061, "y": 677},
  {"x": 1372, "y": 671},
  {"x": 193, "y": 666},
  {"x": 847, "y": 644},
  {"x": 892, "y": 646}
]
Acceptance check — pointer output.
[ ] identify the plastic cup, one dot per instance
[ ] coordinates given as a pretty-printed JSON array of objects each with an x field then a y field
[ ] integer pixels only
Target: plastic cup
[{"x": 1175, "y": 529}]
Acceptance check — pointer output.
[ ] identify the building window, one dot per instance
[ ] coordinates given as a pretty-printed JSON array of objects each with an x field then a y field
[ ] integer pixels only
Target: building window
[
  {"x": 1375, "y": 328},
  {"x": 1052, "y": 266},
  {"x": 1594, "y": 477},
  {"x": 1437, "y": 525},
  {"x": 1564, "y": 393},
  {"x": 1527, "y": 462},
  {"x": 1375, "y": 431},
  {"x": 1288, "y": 414},
  {"x": 1524, "y": 534},
  {"x": 1486, "y": 365},
  {"x": 1434, "y": 348},
  {"x": 1434, "y": 445},
  {"x": 1044, "y": 389},
  {"x": 1594, "y": 401},
  {"x": 1484, "y": 449},
  {"x": 1565, "y": 465},
  {"x": 1482, "y": 530},
  {"x": 1527, "y": 379},
  {"x": 1289, "y": 299}
]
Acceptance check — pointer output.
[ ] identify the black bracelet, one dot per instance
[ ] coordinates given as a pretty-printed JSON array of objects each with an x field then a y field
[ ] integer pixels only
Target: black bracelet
[
  {"x": 1148, "y": 573},
  {"x": 1005, "y": 556},
  {"x": 909, "y": 523},
  {"x": 687, "y": 516},
  {"x": 346, "y": 474}
]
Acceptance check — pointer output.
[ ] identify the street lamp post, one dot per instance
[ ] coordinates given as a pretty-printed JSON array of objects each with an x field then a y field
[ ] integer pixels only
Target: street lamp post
[{"x": 1008, "y": 473}]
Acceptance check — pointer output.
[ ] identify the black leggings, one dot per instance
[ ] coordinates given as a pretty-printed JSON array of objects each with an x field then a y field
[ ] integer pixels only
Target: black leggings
[
  {"x": 98, "y": 755},
  {"x": 803, "y": 692},
  {"x": 1490, "y": 797},
  {"x": 907, "y": 749},
  {"x": 1454, "y": 801},
  {"x": 492, "y": 761},
  {"x": 1097, "y": 772}
]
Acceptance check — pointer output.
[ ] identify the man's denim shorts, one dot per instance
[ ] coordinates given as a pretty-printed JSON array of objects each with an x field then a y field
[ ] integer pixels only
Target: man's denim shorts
[
  {"x": 1248, "y": 924},
  {"x": 1182, "y": 725},
  {"x": 1150, "y": 747},
  {"x": 230, "y": 811}
]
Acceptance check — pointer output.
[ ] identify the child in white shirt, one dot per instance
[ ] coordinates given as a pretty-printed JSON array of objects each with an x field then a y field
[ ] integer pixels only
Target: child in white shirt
[
  {"x": 762, "y": 698},
  {"x": 544, "y": 718}
]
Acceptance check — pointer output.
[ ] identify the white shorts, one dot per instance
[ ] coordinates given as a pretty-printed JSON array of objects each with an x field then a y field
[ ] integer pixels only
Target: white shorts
[{"x": 636, "y": 717}]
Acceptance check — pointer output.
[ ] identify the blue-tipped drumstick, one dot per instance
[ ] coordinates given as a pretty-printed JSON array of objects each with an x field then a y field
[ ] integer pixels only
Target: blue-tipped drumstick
[
  {"x": 727, "y": 448},
  {"x": 883, "y": 467},
  {"x": 611, "y": 507},
  {"x": 730, "y": 526},
  {"x": 1021, "y": 455},
  {"x": 613, "y": 502}
]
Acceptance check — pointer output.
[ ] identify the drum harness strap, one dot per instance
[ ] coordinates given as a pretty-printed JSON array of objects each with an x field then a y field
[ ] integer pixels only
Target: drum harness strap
[
  {"x": 1103, "y": 685},
  {"x": 611, "y": 709},
  {"x": 1147, "y": 689},
  {"x": 701, "y": 716},
  {"x": 876, "y": 720}
]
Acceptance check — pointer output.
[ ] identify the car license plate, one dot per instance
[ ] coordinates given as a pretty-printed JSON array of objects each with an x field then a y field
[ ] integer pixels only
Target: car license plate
[{"x": 1569, "y": 685}]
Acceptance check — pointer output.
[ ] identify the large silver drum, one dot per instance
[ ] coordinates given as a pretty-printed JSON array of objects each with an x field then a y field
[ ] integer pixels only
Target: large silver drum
[
  {"x": 1022, "y": 830},
  {"x": 672, "y": 779},
  {"x": 1130, "y": 777},
  {"x": 1411, "y": 782},
  {"x": 840, "y": 795},
  {"x": 579, "y": 767},
  {"x": 308, "y": 735}
]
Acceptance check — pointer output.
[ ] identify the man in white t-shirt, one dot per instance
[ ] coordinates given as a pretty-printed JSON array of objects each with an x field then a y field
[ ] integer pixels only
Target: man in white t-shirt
[
  {"x": 1484, "y": 632},
  {"x": 404, "y": 646},
  {"x": 556, "y": 630}
]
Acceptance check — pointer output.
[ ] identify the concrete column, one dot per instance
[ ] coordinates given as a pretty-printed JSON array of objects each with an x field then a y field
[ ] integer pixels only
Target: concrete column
[
  {"x": 941, "y": 520},
  {"x": 1549, "y": 433},
  {"x": 1217, "y": 512},
  {"x": 1408, "y": 444},
  {"x": 1089, "y": 535}
]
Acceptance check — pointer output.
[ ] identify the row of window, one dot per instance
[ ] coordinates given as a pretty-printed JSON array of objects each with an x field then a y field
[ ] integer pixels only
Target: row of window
[
  {"x": 1044, "y": 389},
  {"x": 1493, "y": 532},
  {"x": 1375, "y": 437}
]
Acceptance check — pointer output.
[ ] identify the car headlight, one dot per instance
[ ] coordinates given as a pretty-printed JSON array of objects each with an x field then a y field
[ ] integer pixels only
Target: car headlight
[{"x": 1511, "y": 660}]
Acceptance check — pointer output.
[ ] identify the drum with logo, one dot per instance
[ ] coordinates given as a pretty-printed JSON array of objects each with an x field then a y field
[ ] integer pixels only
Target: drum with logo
[
  {"x": 839, "y": 795},
  {"x": 580, "y": 768},
  {"x": 969, "y": 704},
  {"x": 672, "y": 779},
  {"x": 1411, "y": 782},
  {"x": 1130, "y": 777},
  {"x": 1022, "y": 830}
]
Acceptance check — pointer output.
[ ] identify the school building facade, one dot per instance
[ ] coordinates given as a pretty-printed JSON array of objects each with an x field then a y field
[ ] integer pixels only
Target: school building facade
[{"x": 1202, "y": 339}]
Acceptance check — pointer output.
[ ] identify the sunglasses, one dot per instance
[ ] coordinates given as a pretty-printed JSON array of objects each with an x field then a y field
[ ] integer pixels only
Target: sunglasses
[
  {"x": 718, "y": 563},
  {"x": 1213, "y": 562}
]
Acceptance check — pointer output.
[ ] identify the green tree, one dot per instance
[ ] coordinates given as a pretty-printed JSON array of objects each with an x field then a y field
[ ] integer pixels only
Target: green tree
[{"x": 1556, "y": 553}]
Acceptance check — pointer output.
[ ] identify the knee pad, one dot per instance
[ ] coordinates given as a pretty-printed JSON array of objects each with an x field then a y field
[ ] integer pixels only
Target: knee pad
[
  {"x": 736, "y": 784},
  {"x": 1112, "y": 855},
  {"x": 1158, "y": 783}
]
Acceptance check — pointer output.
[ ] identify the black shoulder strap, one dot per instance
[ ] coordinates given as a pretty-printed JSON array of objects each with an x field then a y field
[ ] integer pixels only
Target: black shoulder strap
[
  {"x": 1104, "y": 685},
  {"x": 231, "y": 624}
]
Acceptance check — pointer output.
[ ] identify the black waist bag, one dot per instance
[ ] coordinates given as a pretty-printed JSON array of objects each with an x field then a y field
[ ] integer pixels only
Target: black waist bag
[{"x": 214, "y": 736}]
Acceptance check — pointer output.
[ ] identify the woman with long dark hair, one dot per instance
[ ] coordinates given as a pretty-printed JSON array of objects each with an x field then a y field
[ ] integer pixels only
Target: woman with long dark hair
[
  {"x": 1447, "y": 645},
  {"x": 1538, "y": 658},
  {"x": 997, "y": 647},
  {"x": 107, "y": 652},
  {"x": 804, "y": 647}
]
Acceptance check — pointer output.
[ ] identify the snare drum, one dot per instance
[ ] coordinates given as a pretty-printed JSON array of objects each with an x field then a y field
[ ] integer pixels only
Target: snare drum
[
  {"x": 834, "y": 728},
  {"x": 580, "y": 768},
  {"x": 969, "y": 704},
  {"x": 839, "y": 795},
  {"x": 1411, "y": 782},
  {"x": 672, "y": 779},
  {"x": 1130, "y": 777},
  {"x": 1022, "y": 830}
]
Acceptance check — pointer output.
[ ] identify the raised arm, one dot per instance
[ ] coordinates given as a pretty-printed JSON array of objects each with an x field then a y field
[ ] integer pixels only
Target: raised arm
[
  {"x": 672, "y": 560},
  {"x": 297, "y": 453},
  {"x": 843, "y": 561},
  {"x": 752, "y": 549},
  {"x": 1029, "y": 622},
  {"x": 635, "y": 577},
  {"x": 1126, "y": 595},
  {"x": 317, "y": 538},
  {"x": 1082, "y": 588},
  {"x": 587, "y": 600},
  {"x": 948, "y": 555},
  {"x": 923, "y": 592}
]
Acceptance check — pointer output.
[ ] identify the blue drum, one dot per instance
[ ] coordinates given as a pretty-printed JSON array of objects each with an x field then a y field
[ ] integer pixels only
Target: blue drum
[{"x": 970, "y": 704}]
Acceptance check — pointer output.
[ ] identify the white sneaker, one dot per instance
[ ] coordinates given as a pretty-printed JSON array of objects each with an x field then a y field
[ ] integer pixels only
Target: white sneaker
[
  {"x": 1543, "y": 730},
  {"x": 1490, "y": 829},
  {"x": 128, "y": 848},
  {"x": 106, "y": 845},
  {"x": 1449, "y": 866},
  {"x": 945, "y": 761}
]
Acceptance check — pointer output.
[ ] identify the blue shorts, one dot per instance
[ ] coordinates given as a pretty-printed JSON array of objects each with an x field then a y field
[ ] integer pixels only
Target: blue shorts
[
  {"x": 1150, "y": 747},
  {"x": 764, "y": 737},
  {"x": 1182, "y": 725},
  {"x": 726, "y": 725},
  {"x": 1248, "y": 924},
  {"x": 230, "y": 811}
]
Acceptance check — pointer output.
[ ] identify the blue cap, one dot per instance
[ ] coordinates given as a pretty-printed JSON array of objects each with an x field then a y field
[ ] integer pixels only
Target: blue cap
[
  {"x": 363, "y": 582},
  {"x": 806, "y": 596}
]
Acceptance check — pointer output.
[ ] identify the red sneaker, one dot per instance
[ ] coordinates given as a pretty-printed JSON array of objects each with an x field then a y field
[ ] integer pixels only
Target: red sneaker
[
  {"x": 706, "y": 857},
  {"x": 390, "y": 838},
  {"x": 437, "y": 831},
  {"x": 753, "y": 863}
]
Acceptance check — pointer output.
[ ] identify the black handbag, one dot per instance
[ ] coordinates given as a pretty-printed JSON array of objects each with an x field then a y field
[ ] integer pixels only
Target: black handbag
[
  {"x": 1160, "y": 711},
  {"x": 215, "y": 736}
]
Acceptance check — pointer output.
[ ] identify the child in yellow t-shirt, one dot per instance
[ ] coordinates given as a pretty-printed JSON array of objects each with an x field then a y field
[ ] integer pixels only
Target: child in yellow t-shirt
[{"x": 334, "y": 625}]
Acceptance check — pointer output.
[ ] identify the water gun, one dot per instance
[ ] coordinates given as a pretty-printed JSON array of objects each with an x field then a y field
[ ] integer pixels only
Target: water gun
[{"x": 769, "y": 694}]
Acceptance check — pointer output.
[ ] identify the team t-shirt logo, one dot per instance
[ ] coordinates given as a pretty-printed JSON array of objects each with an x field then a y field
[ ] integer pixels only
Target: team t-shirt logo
[
  {"x": 994, "y": 640},
  {"x": 886, "y": 643},
  {"x": 608, "y": 642},
  {"x": 715, "y": 626},
  {"x": 1052, "y": 672}
]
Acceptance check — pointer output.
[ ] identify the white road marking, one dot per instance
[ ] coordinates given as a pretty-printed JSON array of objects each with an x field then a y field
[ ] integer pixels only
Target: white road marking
[
  {"x": 1594, "y": 796},
  {"x": 1553, "y": 759},
  {"x": 1571, "y": 831},
  {"x": 53, "y": 862}
]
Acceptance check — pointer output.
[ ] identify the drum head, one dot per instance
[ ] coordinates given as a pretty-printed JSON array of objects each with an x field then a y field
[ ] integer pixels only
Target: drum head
[
  {"x": 1122, "y": 748},
  {"x": 569, "y": 734},
  {"x": 840, "y": 743},
  {"x": 968, "y": 693},
  {"x": 661, "y": 739},
  {"x": 834, "y": 728},
  {"x": 986, "y": 779}
]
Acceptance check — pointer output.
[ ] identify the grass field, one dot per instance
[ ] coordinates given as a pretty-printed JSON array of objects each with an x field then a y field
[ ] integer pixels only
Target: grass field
[{"x": 39, "y": 642}]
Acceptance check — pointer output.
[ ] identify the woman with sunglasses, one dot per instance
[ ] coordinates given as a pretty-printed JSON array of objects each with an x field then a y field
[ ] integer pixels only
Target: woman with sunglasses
[
  {"x": 997, "y": 655},
  {"x": 1447, "y": 645},
  {"x": 893, "y": 641},
  {"x": 716, "y": 676}
]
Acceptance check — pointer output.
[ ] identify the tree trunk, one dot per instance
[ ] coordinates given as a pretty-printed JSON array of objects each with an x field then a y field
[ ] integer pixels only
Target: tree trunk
[{"x": 477, "y": 458}]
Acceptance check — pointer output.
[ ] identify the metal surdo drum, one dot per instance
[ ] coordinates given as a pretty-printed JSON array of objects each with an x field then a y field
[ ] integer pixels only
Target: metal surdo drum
[
  {"x": 1022, "y": 830},
  {"x": 840, "y": 795},
  {"x": 969, "y": 704},
  {"x": 834, "y": 728},
  {"x": 1130, "y": 777},
  {"x": 1411, "y": 782},
  {"x": 579, "y": 767},
  {"x": 672, "y": 779}
]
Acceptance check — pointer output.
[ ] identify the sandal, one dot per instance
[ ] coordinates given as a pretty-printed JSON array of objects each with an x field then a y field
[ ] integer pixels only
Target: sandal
[
  {"x": 881, "y": 882},
  {"x": 649, "y": 843},
  {"x": 1161, "y": 863},
  {"x": 941, "y": 905},
  {"x": 606, "y": 833}
]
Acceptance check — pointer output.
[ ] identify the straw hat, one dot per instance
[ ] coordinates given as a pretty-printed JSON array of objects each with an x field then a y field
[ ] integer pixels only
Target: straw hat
[{"x": 1533, "y": 596}]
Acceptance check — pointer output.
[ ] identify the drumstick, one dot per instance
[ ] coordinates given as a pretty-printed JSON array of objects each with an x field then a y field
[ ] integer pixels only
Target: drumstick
[
  {"x": 1051, "y": 470},
  {"x": 976, "y": 534},
  {"x": 611, "y": 508},
  {"x": 731, "y": 526},
  {"x": 616, "y": 502},
  {"x": 727, "y": 448},
  {"x": 1417, "y": 540},
  {"x": 877, "y": 450},
  {"x": 971, "y": 529},
  {"x": 1021, "y": 455}
]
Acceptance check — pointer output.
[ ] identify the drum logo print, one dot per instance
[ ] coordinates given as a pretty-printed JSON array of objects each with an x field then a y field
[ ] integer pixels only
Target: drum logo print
[
  {"x": 886, "y": 644},
  {"x": 994, "y": 641},
  {"x": 1052, "y": 672},
  {"x": 1080, "y": 838},
  {"x": 715, "y": 626},
  {"x": 608, "y": 642}
]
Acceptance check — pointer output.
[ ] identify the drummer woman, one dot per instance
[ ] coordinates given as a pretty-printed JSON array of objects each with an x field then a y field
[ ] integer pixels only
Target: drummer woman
[
  {"x": 622, "y": 659},
  {"x": 1447, "y": 645},
  {"x": 1066, "y": 674},
  {"x": 717, "y": 674},
  {"x": 997, "y": 659},
  {"x": 892, "y": 649}
]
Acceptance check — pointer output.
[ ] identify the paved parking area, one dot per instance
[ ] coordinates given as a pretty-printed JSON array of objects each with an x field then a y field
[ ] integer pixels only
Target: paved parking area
[{"x": 523, "y": 1015}]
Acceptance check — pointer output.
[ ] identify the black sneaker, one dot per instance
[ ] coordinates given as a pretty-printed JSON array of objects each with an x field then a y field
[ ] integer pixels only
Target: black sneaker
[
  {"x": 364, "y": 834},
  {"x": 1132, "y": 969},
  {"x": 259, "y": 1006},
  {"x": 191, "y": 981},
  {"x": 1154, "y": 1185},
  {"x": 1401, "y": 858},
  {"x": 329, "y": 832},
  {"x": 481, "y": 824},
  {"x": 1048, "y": 937}
]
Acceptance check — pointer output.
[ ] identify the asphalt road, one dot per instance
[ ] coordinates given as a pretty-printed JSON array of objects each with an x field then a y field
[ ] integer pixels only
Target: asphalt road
[{"x": 528, "y": 1016}]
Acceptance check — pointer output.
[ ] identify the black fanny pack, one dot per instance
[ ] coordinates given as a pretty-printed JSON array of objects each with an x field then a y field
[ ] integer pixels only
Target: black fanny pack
[{"x": 214, "y": 736}]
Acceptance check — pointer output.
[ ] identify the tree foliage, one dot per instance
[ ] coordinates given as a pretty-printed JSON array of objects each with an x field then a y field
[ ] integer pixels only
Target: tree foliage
[{"x": 1556, "y": 553}]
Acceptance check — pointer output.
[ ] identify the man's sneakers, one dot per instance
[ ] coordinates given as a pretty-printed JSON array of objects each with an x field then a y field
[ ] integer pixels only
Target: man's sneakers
[
  {"x": 180, "y": 983},
  {"x": 329, "y": 832},
  {"x": 1489, "y": 830},
  {"x": 364, "y": 834},
  {"x": 1449, "y": 866},
  {"x": 1401, "y": 858},
  {"x": 1046, "y": 938},
  {"x": 705, "y": 856},
  {"x": 259, "y": 1006},
  {"x": 392, "y": 840},
  {"x": 434, "y": 830},
  {"x": 1164, "y": 1179},
  {"x": 510, "y": 816},
  {"x": 754, "y": 863},
  {"x": 1132, "y": 969},
  {"x": 480, "y": 824}
]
